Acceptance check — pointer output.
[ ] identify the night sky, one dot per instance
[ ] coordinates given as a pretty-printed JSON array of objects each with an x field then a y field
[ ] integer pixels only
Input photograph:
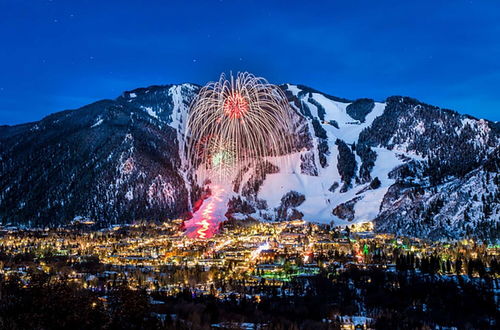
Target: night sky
[{"x": 58, "y": 55}]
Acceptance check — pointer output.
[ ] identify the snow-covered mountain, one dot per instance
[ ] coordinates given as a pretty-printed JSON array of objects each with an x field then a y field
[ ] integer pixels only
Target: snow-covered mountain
[{"x": 410, "y": 167}]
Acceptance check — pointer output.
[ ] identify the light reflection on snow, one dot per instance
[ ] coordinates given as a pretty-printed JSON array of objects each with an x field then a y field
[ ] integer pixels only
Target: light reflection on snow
[
  {"x": 257, "y": 251},
  {"x": 206, "y": 219}
]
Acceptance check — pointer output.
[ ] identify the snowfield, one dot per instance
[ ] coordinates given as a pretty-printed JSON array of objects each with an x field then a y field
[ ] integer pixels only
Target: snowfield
[
  {"x": 319, "y": 199},
  {"x": 359, "y": 202},
  {"x": 414, "y": 168}
]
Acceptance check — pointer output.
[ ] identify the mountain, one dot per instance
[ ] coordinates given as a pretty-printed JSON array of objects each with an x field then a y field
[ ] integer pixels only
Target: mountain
[
  {"x": 114, "y": 161},
  {"x": 412, "y": 168}
]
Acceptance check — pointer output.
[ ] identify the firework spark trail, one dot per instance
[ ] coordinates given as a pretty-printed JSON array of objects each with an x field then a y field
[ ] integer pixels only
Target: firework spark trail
[
  {"x": 236, "y": 122},
  {"x": 207, "y": 218},
  {"x": 202, "y": 232},
  {"x": 233, "y": 124}
]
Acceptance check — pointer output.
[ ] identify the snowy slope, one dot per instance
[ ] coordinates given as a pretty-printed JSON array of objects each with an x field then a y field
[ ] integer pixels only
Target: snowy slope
[
  {"x": 410, "y": 167},
  {"x": 320, "y": 201},
  {"x": 362, "y": 201}
]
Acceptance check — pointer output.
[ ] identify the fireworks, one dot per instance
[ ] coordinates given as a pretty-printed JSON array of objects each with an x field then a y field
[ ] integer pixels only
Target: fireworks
[
  {"x": 236, "y": 122},
  {"x": 206, "y": 220}
]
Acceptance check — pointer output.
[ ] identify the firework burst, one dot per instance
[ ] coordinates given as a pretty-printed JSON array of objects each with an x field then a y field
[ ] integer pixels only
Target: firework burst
[{"x": 236, "y": 122}]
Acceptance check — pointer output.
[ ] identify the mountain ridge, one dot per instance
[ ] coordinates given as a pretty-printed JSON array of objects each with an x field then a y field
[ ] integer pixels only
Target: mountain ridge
[{"x": 129, "y": 173}]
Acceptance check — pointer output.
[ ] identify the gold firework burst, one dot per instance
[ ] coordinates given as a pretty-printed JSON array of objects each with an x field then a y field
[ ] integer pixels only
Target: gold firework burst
[{"x": 236, "y": 122}]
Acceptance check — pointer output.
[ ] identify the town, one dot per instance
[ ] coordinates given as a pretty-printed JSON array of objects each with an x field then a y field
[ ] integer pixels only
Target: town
[{"x": 245, "y": 260}]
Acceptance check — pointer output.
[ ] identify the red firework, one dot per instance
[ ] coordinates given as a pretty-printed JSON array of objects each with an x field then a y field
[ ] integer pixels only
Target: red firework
[{"x": 236, "y": 106}]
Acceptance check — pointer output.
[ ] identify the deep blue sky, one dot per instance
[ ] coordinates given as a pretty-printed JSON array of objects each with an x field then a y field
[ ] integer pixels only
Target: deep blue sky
[{"x": 61, "y": 54}]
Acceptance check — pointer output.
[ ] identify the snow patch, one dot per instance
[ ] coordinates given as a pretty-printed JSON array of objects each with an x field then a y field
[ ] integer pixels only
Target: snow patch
[
  {"x": 150, "y": 112},
  {"x": 97, "y": 122},
  {"x": 130, "y": 194}
]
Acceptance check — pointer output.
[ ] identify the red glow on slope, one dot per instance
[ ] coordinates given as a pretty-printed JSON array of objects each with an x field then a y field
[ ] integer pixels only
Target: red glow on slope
[
  {"x": 235, "y": 106},
  {"x": 202, "y": 231},
  {"x": 207, "y": 218}
]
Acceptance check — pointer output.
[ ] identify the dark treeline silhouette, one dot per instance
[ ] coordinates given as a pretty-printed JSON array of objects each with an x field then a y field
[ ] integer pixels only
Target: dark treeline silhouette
[
  {"x": 434, "y": 264},
  {"x": 391, "y": 300}
]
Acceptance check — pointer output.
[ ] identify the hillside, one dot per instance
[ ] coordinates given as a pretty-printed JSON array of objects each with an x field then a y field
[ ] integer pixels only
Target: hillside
[{"x": 412, "y": 168}]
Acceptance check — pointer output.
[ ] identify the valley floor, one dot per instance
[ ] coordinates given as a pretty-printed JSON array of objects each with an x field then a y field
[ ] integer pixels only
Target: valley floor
[{"x": 249, "y": 275}]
